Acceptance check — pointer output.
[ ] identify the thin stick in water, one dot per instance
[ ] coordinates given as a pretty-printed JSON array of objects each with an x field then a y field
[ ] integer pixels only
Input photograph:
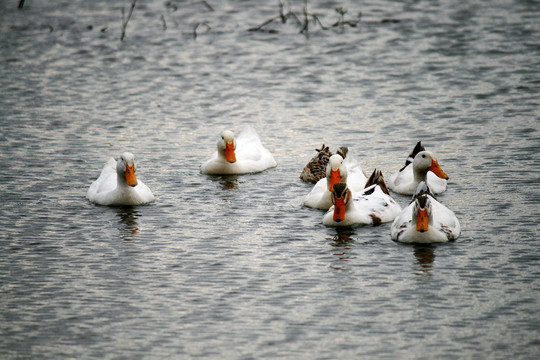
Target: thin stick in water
[{"x": 125, "y": 21}]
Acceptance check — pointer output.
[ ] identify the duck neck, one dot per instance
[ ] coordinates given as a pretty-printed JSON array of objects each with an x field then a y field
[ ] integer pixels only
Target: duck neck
[
  {"x": 121, "y": 181},
  {"x": 419, "y": 175},
  {"x": 221, "y": 154}
]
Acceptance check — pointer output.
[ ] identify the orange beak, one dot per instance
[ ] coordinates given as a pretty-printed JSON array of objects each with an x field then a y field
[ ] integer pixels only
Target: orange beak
[
  {"x": 339, "y": 209},
  {"x": 437, "y": 170},
  {"x": 422, "y": 220},
  {"x": 229, "y": 152},
  {"x": 335, "y": 177},
  {"x": 131, "y": 179}
]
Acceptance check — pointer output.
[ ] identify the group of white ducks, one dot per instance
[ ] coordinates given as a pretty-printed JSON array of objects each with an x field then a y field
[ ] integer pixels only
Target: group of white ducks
[{"x": 341, "y": 187}]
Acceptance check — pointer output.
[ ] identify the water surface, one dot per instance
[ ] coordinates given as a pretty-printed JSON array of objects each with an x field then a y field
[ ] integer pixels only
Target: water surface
[{"x": 236, "y": 267}]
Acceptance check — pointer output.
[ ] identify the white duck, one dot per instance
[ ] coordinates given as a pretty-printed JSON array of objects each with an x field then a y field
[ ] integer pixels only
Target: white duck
[
  {"x": 118, "y": 185},
  {"x": 420, "y": 166},
  {"x": 425, "y": 220},
  {"x": 242, "y": 155},
  {"x": 347, "y": 171},
  {"x": 373, "y": 205}
]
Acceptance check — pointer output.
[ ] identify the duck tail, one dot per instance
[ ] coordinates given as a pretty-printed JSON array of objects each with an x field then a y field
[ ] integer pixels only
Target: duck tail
[
  {"x": 411, "y": 156},
  {"x": 376, "y": 178}
]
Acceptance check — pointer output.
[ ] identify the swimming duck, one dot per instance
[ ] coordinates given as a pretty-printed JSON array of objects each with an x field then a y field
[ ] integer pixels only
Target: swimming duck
[
  {"x": 242, "y": 155},
  {"x": 425, "y": 220},
  {"x": 315, "y": 169},
  {"x": 118, "y": 185},
  {"x": 347, "y": 171},
  {"x": 373, "y": 205},
  {"x": 421, "y": 165}
]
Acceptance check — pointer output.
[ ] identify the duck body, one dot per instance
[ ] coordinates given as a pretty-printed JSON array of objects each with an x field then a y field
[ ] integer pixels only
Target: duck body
[
  {"x": 242, "y": 155},
  {"x": 373, "y": 205},
  {"x": 346, "y": 170},
  {"x": 421, "y": 165},
  {"x": 315, "y": 169},
  {"x": 425, "y": 220},
  {"x": 117, "y": 184}
]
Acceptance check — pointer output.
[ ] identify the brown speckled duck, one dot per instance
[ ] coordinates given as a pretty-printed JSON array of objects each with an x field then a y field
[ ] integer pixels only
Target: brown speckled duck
[{"x": 316, "y": 167}]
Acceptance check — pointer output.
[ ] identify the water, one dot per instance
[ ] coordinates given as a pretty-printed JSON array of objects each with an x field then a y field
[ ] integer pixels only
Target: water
[{"x": 235, "y": 267}]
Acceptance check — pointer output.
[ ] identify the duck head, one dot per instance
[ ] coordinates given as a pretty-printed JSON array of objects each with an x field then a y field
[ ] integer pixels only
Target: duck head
[
  {"x": 335, "y": 172},
  {"x": 423, "y": 162},
  {"x": 421, "y": 215},
  {"x": 343, "y": 150},
  {"x": 341, "y": 195},
  {"x": 125, "y": 168},
  {"x": 227, "y": 145}
]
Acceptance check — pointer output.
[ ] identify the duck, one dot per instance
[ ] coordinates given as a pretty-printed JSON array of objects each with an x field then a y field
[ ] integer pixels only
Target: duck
[
  {"x": 373, "y": 205},
  {"x": 241, "y": 155},
  {"x": 117, "y": 185},
  {"x": 425, "y": 220},
  {"x": 421, "y": 165},
  {"x": 315, "y": 169},
  {"x": 346, "y": 170}
]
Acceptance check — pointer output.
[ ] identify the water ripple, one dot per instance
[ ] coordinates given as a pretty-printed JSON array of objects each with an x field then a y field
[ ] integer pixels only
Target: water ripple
[{"x": 236, "y": 267}]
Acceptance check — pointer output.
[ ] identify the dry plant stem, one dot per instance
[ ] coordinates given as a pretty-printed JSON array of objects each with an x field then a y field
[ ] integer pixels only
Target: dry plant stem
[
  {"x": 290, "y": 13},
  {"x": 126, "y": 20},
  {"x": 281, "y": 14},
  {"x": 264, "y": 23},
  {"x": 208, "y": 6},
  {"x": 284, "y": 17},
  {"x": 163, "y": 22},
  {"x": 305, "y": 28},
  {"x": 316, "y": 18}
]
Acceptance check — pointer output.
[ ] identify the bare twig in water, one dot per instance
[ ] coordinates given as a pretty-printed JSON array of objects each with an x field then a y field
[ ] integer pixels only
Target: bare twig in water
[
  {"x": 282, "y": 16},
  {"x": 316, "y": 18},
  {"x": 258, "y": 28},
  {"x": 163, "y": 23},
  {"x": 305, "y": 27},
  {"x": 126, "y": 20},
  {"x": 21, "y": 4},
  {"x": 208, "y": 6},
  {"x": 307, "y": 15},
  {"x": 290, "y": 14},
  {"x": 293, "y": 15},
  {"x": 205, "y": 24}
]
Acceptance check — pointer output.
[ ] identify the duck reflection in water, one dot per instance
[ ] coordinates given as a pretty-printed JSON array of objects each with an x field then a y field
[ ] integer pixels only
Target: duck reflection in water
[
  {"x": 227, "y": 182},
  {"x": 342, "y": 241},
  {"x": 425, "y": 255},
  {"x": 127, "y": 224}
]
